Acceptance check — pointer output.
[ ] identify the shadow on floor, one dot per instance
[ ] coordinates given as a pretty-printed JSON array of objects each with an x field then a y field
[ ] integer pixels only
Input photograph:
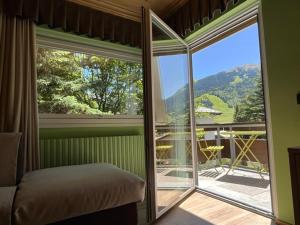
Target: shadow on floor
[
  {"x": 248, "y": 181},
  {"x": 180, "y": 173},
  {"x": 179, "y": 216},
  {"x": 161, "y": 170},
  {"x": 212, "y": 174}
]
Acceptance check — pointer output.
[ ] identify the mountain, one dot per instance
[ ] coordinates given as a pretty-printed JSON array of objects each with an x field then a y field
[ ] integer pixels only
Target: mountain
[{"x": 230, "y": 86}]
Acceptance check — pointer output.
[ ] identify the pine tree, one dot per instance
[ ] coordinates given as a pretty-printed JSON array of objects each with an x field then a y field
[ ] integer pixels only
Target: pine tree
[{"x": 251, "y": 109}]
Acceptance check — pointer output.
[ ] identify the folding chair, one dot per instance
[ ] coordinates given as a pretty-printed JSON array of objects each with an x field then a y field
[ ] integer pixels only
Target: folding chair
[
  {"x": 211, "y": 152},
  {"x": 162, "y": 153}
]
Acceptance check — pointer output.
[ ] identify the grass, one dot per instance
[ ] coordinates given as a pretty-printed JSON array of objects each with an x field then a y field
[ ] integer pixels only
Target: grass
[{"x": 214, "y": 102}]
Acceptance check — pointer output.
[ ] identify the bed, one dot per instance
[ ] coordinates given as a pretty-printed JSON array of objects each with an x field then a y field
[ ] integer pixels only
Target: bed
[{"x": 92, "y": 194}]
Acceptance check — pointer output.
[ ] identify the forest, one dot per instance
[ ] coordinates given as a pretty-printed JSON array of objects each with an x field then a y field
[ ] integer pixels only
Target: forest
[{"x": 76, "y": 83}]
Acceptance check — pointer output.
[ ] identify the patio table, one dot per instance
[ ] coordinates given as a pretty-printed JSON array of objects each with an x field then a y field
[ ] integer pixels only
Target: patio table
[{"x": 244, "y": 146}]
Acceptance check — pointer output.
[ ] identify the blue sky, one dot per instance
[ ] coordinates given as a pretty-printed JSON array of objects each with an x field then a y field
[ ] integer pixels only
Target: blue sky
[
  {"x": 173, "y": 73},
  {"x": 238, "y": 49}
]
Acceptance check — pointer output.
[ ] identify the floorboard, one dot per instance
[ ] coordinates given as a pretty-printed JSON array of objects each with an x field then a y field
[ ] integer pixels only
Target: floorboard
[{"x": 199, "y": 209}]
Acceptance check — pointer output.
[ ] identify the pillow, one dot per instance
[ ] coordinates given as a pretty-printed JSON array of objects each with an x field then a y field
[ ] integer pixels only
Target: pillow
[
  {"x": 7, "y": 195},
  {"x": 9, "y": 144}
]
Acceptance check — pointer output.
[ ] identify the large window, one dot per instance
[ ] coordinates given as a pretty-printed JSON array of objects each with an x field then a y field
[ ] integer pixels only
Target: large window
[{"x": 78, "y": 83}]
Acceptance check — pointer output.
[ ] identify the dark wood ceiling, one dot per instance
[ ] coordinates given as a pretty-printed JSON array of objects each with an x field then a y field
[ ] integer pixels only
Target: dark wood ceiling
[{"x": 131, "y": 9}]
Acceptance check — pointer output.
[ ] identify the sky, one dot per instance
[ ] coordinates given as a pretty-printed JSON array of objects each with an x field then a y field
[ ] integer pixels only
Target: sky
[
  {"x": 173, "y": 73},
  {"x": 238, "y": 49}
]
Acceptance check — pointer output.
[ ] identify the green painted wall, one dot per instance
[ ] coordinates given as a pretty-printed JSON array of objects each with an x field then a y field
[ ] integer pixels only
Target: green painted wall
[
  {"x": 126, "y": 152},
  {"x": 90, "y": 132},
  {"x": 281, "y": 25}
]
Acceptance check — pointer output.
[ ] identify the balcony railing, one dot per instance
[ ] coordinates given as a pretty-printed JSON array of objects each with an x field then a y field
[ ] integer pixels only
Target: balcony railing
[
  {"x": 213, "y": 136},
  {"x": 230, "y": 151}
]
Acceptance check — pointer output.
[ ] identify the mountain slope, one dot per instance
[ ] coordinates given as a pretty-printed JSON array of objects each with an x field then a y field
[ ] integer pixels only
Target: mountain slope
[
  {"x": 214, "y": 102},
  {"x": 231, "y": 86}
]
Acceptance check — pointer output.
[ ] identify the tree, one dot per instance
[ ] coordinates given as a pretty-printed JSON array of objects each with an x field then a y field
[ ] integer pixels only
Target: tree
[
  {"x": 251, "y": 109},
  {"x": 74, "y": 83},
  {"x": 113, "y": 84},
  {"x": 60, "y": 83}
]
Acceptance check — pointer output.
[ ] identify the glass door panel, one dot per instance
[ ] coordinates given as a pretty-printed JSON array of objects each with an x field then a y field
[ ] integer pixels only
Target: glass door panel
[
  {"x": 173, "y": 126},
  {"x": 230, "y": 113}
]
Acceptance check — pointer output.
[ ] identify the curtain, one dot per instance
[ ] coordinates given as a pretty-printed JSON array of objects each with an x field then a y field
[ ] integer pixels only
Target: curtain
[
  {"x": 195, "y": 13},
  {"x": 72, "y": 17},
  {"x": 160, "y": 105},
  {"x": 18, "y": 98}
]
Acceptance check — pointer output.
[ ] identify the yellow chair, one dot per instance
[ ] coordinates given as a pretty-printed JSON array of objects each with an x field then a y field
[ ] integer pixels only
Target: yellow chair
[
  {"x": 162, "y": 152},
  {"x": 210, "y": 152}
]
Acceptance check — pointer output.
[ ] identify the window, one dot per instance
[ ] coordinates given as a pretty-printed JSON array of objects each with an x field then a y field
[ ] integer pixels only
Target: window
[
  {"x": 77, "y": 83},
  {"x": 228, "y": 82}
]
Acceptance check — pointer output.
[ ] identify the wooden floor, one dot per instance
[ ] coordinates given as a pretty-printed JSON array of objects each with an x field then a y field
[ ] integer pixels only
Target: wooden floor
[
  {"x": 166, "y": 197},
  {"x": 199, "y": 209}
]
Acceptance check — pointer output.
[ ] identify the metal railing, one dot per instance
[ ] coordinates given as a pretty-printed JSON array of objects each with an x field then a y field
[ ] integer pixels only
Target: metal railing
[
  {"x": 231, "y": 127},
  {"x": 216, "y": 130}
]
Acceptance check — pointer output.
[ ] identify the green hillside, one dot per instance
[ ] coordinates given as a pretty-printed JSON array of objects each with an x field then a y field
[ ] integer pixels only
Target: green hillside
[
  {"x": 222, "y": 91},
  {"x": 231, "y": 86},
  {"x": 214, "y": 102}
]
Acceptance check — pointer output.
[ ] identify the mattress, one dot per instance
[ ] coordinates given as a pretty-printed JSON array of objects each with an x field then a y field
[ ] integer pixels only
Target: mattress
[{"x": 54, "y": 194}]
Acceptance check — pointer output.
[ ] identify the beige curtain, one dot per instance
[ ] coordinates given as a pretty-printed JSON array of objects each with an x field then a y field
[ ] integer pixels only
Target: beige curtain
[
  {"x": 18, "y": 100},
  {"x": 160, "y": 106}
]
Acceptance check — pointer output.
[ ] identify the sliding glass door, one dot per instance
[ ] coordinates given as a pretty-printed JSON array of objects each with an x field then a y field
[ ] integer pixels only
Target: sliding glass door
[{"x": 172, "y": 116}]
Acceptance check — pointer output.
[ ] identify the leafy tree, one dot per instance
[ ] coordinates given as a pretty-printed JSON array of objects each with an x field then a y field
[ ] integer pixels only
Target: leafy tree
[
  {"x": 60, "y": 83},
  {"x": 73, "y": 83},
  {"x": 112, "y": 83},
  {"x": 251, "y": 109}
]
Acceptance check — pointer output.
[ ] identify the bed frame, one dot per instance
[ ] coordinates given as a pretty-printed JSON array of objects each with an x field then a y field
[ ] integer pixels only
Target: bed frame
[{"x": 123, "y": 215}]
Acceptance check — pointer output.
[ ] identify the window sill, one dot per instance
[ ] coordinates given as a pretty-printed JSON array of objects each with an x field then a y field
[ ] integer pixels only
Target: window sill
[{"x": 69, "y": 121}]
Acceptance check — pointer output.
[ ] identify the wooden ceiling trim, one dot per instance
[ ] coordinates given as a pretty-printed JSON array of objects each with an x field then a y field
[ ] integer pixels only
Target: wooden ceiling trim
[
  {"x": 131, "y": 11},
  {"x": 171, "y": 8}
]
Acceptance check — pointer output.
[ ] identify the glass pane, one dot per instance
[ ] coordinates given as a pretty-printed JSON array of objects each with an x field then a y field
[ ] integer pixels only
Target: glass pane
[
  {"x": 170, "y": 76},
  {"x": 78, "y": 83},
  {"x": 230, "y": 118}
]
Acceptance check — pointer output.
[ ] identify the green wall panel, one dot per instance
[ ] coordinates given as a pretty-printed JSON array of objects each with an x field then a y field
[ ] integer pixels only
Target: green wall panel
[
  {"x": 282, "y": 35},
  {"x": 126, "y": 152}
]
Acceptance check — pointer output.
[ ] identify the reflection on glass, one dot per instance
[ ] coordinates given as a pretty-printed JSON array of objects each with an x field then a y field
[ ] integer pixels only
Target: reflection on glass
[{"x": 174, "y": 172}]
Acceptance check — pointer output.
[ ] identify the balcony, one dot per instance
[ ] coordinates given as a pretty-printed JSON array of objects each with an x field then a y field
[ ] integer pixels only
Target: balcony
[{"x": 248, "y": 182}]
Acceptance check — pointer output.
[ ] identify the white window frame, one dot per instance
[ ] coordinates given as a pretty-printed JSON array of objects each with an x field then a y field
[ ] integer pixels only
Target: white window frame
[
  {"x": 57, "y": 39},
  {"x": 220, "y": 28},
  {"x": 75, "y": 121}
]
